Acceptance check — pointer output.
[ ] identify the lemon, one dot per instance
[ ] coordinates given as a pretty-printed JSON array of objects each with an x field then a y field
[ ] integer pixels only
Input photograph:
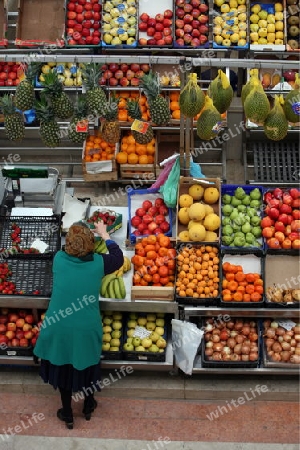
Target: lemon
[
  {"x": 278, "y": 7},
  {"x": 243, "y": 26},
  {"x": 242, "y": 34},
  {"x": 279, "y": 26},
  {"x": 254, "y": 18},
  {"x": 219, "y": 40},
  {"x": 219, "y": 3},
  {"x": 233, "y": 3},
  {"x": 234, "y": 38},
  {"x": 217, "y": 30},
  {"x": 278, "y": 16},
  {"x": 225, "y": 34},
  {"x": 254, "y": 36},
  {"x": 242, "y": 8},
  {"x": 218, "y": 20},
  {"x": 262, "y": 32},
  {"x": 242, "y": 42},
  {"x": 262, "y": 23},
  {"x": 254, "y": 27},
  {"x": 242, "y": 17},
  {"x": 271, "y": 18},
  {"x": 262, "y": 41},
  {"x": 278, "y": 41},
  {"x": 271, "y": 28},
  {"x": 255, "y": 9},
  {"x": 263, "y": 14},
  {"x": 279, "y": 35}
]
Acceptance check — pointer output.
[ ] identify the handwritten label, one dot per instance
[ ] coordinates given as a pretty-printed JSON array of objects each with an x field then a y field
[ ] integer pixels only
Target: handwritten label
[
  {"x": 141, "y": 332},
  {"x": 287, "y": 324}
]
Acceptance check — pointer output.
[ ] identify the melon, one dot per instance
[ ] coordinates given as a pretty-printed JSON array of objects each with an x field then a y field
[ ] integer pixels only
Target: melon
[
  {"x": 221, "y": 92},
  {"x": 208, "y": 209},
  {"x": 276, "y": 125},
  {"x": 184, "y": 236},
  {"x": 193, "y": 222},
  {"x": 196, "y": 191},
  {"x": 183, "y": 216},
  {"x": 192, "y": 98},
  {"x": 212, "y": 222},
  {"x": 185, "y": 200},
  {"x": 197, "y": 211},
  {"x": 210, "y": 236},
  {"x": 197, "y": 232},
  {"x": 211, "y": 195}
]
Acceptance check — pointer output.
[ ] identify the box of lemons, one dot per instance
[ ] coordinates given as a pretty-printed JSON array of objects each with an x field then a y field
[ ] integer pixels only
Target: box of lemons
[
  {"x": 198, "y": 274},
  {"x": 146, "y": 336},
  {"x": 242, "y": 279},
  {"x": 234, "y": 350},
  {"x": 242, "y": 211},
  {"x": 230, "y": 24},
  {"x": 113, "y": 335}
]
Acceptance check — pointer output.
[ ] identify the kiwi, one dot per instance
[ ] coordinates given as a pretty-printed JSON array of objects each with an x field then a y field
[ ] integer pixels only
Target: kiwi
[
  {"x": 291, "y": 2},
  {"x": 293, "y": 20},
  {"x": 293, "y": 44},
  {"x": 293, "y": 31}
]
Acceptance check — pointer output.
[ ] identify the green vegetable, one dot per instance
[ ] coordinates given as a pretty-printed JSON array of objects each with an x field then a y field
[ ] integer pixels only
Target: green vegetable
[
  {"x": 250, "y": 238},
  {"x": 234, "y": 214},
  {"x": 239, "y": 193},
  {"x": 226, "y": 199},
  {"x": 227, "y": 240},
  {"x": 255, "y": 194},
  {"x": 256, "y": 232},
  {"x": 246, "y": 228},
  {"x": 239, "y": 234},
  {"x": 246, "y": 200},
  {"x": 235, "y": 201},
  {"x": 251, "y": 212},
  {"x": 255, "y": 204},
  {"x": 239, "y": 241},
  {"x": 226, "y": 221},
  {"x": 227, "y": 210},
  {"x": 255, "y": 221},
  {"x": 240, "y": 219},
  {"x": 227, "y": 230},
  {"x": 256, "y": 244},
  {"x": 236, "y": 227},
  {"x": 242, "y": 208}
]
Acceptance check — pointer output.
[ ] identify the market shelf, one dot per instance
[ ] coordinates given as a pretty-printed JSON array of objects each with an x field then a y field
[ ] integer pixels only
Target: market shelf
[
  {"x": 17, "y": 360},
  {"x": 240, "y": 312}
]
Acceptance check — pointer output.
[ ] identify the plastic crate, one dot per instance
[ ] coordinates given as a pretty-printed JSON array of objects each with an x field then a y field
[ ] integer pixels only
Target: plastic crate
[
  {"x": 17, "y": 351},
  {"x": 229, "y": 189},
  {"x": 108, "y": 355},
  {"x": 32, "y": 274},
  {"x": 47, "y": 229}
]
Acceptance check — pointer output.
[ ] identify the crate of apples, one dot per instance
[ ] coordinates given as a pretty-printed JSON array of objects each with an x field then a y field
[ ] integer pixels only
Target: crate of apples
[
  {"x": 18, "y": 333},
  {"x": 124, "y": 75},
  {"x": 11, "y": 74},
  {"x": 191, "y": 24},
  {"x": 155, "y": 25},
  {"x": 83, "y": 23}
]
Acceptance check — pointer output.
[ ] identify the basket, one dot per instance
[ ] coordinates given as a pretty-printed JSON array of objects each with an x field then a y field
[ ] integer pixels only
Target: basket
[{"x": 47, "y": 229}]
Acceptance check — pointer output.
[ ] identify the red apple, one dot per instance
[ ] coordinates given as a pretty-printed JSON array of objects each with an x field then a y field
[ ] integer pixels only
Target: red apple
[
  {"x": 179, "y": 23},
  {"x": 20, "y": 323},
  {"x": 143, "y": 26},
  {"x": 203, "y": 28},
  {"x": 145, "y": 68},
  {"x": 295, "y": 225},
  {"x": 124, "y": 81},
  {"x": 13, "y": 317},
  {"x": 144, "y": 17},
  {"x": 274, "y": 213},
  {"x": 167, "y": 23},
  {"x": 23, "y": 342},
  {"x": 159, "y": 219},
  {"x": 293, "y": 236},
  {"x": 163, "y": 209},
  {"x": 277, "y": 193},
  {"x": 3, "y": 319},
  {"x": 147, "y": 219},
  {"x": 195, "y": 3},
  {"x": 113, "y": 81},
  {"x": 188, "y": 28},
  {"x": 296, "y": 214},
  {"x": 137, "y": 233},
  {"x": 80, "y": 18},
  {"x": 187, "y": 7},
  {"x": 134, "y": 81},
  {"x": 15, "y": 342},
  {"x": 146, "y": 204},
  {"x": 27, "y": 327},
  {"x": 153, "y": 210},
  {"x": 152, "y": 226},
  {"x": 203, "y": 18},
  {"x": 3, "y": 339},
  {"x": 296, "y": 244},
  {"x": 296, "y": 203},
  {"x": 295, "y": 193},
  {"x": 151, "y": 22},
  {"x": 179, "y": 32},
  {"x": 285, "y": 209},
  {"x": 3, "y": 328},
  {"x": 287, "y": 199},
  {"x": 287, "y": 243},
  {"x": 29, "y": 318},
  {"x": 165, "y": 226},
  {"x": 142, "y": 227},
  {"x": 187, "y": 38},
  {"x": 273, "y": 243},
  {"x": 195, "y": 24},
  {"x": 10, "y": 334},
  {"x": 159, "y": 18},
  {"x": 168, "y": 39},
  {"x": 268, "y": 232},
  {"x": 188, "y": 18},
  {"x": 28, "y": 334},
  {"x": 19, "y": 334},
  {"x": 140, "y": 212},
  {"x": 195, "y": 33},
  {"x": 33, "y": 340},
  {"x": 168, "y": 13},
  {"x": 279, "y": 235},
  {"x": 179, "y": 13},
  {"x": 283, "y": 218},
  {"x": 157, "y": 35},
  {"x": 11, "y": 326},
  {"x": 119, "y": 74},
  {"x": 151, "y": 31},
  {"x": 159, "y": 26},
  {"x": 151, "y": 42},
  {"x": 195, "y": 13},
  {"x": 203, "y": 8}
]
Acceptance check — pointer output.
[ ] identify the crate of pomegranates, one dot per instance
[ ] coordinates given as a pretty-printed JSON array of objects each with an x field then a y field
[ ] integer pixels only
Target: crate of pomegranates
[
  {"x": 280, "y": 340},
  {"x": 191, "y": 24},
  {"x": 232, "y": 343}
]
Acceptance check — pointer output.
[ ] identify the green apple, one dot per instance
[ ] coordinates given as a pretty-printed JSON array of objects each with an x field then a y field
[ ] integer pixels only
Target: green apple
[
  {"x": 117, "y": 325},
  {"x": 116, "y": 41},
  {"x": 153, "y": 348},
  {"x": 263, "y": 14},
  {"x": 160, "y": 322},
  {"x": 150, "y": 326},
  {"x": 107, "y": 329},
  {"x": 154, "y": 336},
  {"x": 106, "y": 346},
  {"x": 115, "y": 343},
  {"x": 151, "y": 317},
  {"x": 116, "y": 334},
  {"x": 131, "y": 20},
  {"x": 106, "y": 337},
  {"x": 160, "y": 331},
  {"x": 117, "y": 316},
  {"x": 107, "y": 320},
  {"x": 161, "y": 350},
  {"x": 106, "y": 27},
  {"x": 128, "y": 347},
  {"x": 136, "y": 341},
  {"x": 140, "y": 348},
  {"x": 130, "y": 332},
  {"x": 161, "y": 343},
  {"x": 133, "y": 316},
  {"x": 132, "y": 323},
  {"x": 146, "y": 342},
  {"x": 107, "y": 38},
  {"x": 142, "y": 321},
  {"x": 114, "y": 349},
  {"x": 129, "y": 340}
]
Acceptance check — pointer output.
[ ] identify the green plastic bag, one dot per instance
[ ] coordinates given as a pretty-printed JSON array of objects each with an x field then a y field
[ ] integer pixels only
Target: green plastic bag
[{"x": 170, "y": 188}]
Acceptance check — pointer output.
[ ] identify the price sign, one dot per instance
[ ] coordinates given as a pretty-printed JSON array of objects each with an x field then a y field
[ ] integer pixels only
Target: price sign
[
  {"x": 141, "y": 332},
  {"x": 287, "y": 324}
]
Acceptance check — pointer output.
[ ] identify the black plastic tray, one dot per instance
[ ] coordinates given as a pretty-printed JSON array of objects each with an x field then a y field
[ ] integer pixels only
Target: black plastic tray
[
  {"x": 108, "y": 355},
  {"x": 17, "y": 351},
  {"x": 32, "y": 274},
  {"x": 47, "y": 229}
]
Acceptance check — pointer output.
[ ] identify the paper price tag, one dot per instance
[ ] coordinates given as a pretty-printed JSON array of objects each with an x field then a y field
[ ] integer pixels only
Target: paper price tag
[
  {"x": 287, "y": 324},
  {"x": 141, "y": 332},
  {"x": 82, "y": 126},
  {"x": 139, "y": 126}
]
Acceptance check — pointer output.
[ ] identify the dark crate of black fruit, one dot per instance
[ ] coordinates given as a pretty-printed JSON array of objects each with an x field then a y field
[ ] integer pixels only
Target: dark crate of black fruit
[{"x": 17, "y": 234}]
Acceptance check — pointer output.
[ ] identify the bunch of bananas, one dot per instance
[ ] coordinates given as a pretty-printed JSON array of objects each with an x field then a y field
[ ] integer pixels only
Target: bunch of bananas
[
  {"x": 125, "y": 268},
  {"x": 100, "y": 246},
  {"x": 113, "y": 286}
]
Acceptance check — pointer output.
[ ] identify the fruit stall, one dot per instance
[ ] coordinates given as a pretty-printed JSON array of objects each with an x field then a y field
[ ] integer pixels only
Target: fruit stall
[{"x": 106, "y": 91}]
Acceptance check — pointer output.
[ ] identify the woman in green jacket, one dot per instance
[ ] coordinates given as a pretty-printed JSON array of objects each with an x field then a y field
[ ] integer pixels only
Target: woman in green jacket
[{"x": 70, "y": 339}]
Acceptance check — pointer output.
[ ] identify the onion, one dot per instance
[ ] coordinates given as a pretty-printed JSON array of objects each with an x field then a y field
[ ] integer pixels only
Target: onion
[
  {"x": 239, "y": 339},
  {"x": 266, "y": 323},
  {"x": 276, "y": 347},
  {"x": 253, "y": 323},
  {"x": 215, "y": 338},
  {"x": 231, "y": 342},
  {"x": 233, "y": 333},
  {"x": 274, "y": 325},
  {"x": 296, "y": 329},
  {"x": 254, "y": 348},
  {"x": 253, "y": 356},
  {"x": 287, "y": 337},
  {"x": 245, "y": 330},
  {"x": 290, "y": 333},
  {"x": 285, "y": 356},
  {"x": 247, "y": 341},
  {"x": 224, "y": 335},
  {"x": 230, "y": 325},
  {"x": 276, "y": 357},
  {"x": 280, "y": 331},
  {"x": 238, "y": 326},
  {"x": 270, "y": 333},
  {"x": 298, "y": 344},
  {"x": 226, "y": 357},
  {"x": 253, "y": 329},
  {"x": 293, "y": 342},
  {"x": 295, "y": 359},
  {"x": 216, "y": 331},
  {"x": 226, "y": 350},
  {"x": 217, "y": 347},
  {"x": 286, "y": 346},
  {"x": 209, "y": 327},
  {"x": 217, "y": 357},
  {"x": 245, "y": 349},
  {"x": 207, "y": 336},
  {"x": 280, "y": 339},
  {"x": 269, "y": 342},
  {"x": 270, "y": 353},
  {"x": 209, "y": 344},
  {"x": 208, "y": 351},
  {"x": 297, "y": 337},
  {"x": 293, "y": 349},
  {"x": 253, "y": 337},
  {"x": 245, "y": 357},
  {"x": 297, "y": 351},
  {"x": 237, "y": 349},
  {"x": 235, "y": 357}
]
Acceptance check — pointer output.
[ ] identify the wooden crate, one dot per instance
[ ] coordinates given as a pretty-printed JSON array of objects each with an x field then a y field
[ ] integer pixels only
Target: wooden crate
[
  {"x": 131, "y": 171},
  {"x": 155, "y": 293},
  {"x": 100, "y": 176}
]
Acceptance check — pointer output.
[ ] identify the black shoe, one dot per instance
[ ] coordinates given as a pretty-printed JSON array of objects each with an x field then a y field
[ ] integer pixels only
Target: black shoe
[
  {"x": 88, "y": 409},
  {"x": 68, "y": 420}
]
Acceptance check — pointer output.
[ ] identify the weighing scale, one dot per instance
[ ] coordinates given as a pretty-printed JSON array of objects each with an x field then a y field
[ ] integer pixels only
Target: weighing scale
[{"x": 31, "y": 187}]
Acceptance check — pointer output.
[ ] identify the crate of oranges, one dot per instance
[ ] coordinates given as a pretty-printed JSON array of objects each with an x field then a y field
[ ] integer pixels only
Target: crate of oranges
[
  {"x": 124, "y": 96},
  {"x": 137, "y": 160},
  {"x": 98, "y": 159}
]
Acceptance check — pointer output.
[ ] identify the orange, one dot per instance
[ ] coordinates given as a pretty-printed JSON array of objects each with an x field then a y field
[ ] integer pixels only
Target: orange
[
  {"x": 130, "y": 149},
  {"x": 133, "y": 158},
  {"x": 88, "y": 158},
  {"x": 122, "y": 103},
  {"x": 140, "y": 149},
  {"x": 130, "y": 139},
  {"x": 121, "y": 158},
  {"x": 174, "y": 106},
  {"x": 176, "y": 114},
  {"x": 150, "y": 159},
  {"x": 150, "y": 149},
  {"x": 174, "y": 96},
  {"x": 143, "y": 159},
  {"x": 142, "y": 100}
]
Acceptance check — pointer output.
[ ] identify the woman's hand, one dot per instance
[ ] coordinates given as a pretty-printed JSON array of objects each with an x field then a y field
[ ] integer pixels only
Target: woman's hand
[{"x": 100, "y": 229}]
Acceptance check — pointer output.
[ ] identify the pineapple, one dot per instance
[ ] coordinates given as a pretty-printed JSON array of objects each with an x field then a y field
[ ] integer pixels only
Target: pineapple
[
  {"x": 49, "y": 129},
  {"x": 60, "y": 102},
  {"x": 24, "y": 96},
  {"x": 13, "y": 120},
  {"x": 158, "y": 105},
  {"x": 111, "y": 131},
  {"x": 96, "y": 98},
  {"x": 134, "y": 112},
  {"x": 78, "y": 137}
]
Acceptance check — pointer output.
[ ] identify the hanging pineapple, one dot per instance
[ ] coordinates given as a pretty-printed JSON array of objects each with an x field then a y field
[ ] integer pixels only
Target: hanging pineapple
[
  {"x": 276, "y": 125},
  {"x": 49, "y": 129},
  {"x": 24, "y": 95},
  {"x": 158, "y": 105},
  {"x": 111, "y": 131},
  {"x": 60, "y": 102},
  {"x": 134, "y": 112},
  {"x": 291, "y": 106},
  {"x": 191, "y": 99},
  {"x": 249, "y": 85},
  {"x": 208, "y": 124},
  {"x": 13, "y": 120},
  {"x": 96, "y": 98},
  {"x": 80, "y": 114},
  {"x": 221, "y": 92},
  {"x": 257, "y": 106}
]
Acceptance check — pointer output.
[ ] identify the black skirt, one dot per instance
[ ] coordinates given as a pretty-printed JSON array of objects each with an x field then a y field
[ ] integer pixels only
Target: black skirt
[{"x": 71, "y": 379}]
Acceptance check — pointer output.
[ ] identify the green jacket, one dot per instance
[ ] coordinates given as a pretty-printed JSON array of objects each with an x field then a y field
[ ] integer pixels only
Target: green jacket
[{"x": 71, "y": 332}]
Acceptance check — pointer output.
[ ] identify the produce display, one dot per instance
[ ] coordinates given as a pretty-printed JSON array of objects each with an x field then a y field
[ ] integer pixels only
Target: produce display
[
  {"x": 151, "y": 218},
  {"x": 17, "y": 328},
  {"x": 143, "y": 134},
  {"x": 108, "y": 217},
  {"x": 124, "y": 75},
  {"x": 134, "y": 153},
  {"x": 113, "y": 285},
  {"x": 293, "y": 25},
  {"x": 11, "y": 74},
  {"x": 198, "y": 214},
  {"x": 158, "y": 105},
  {"x": 119, "y": 23},
  {"x": 230, "y": 24},
  {"x": 112, "y": 323},
  {"x": 97, "y": 149},
  {"x": 126, "y": 97},
  {"x": 198, "y": 272},
  {"x": 83, "y": 22},
  {"x": 281, "y": 224},
  {"x": 13, "y": 120},
  {"x": 267, "y": 24},
  {"x": 238, "y": 286},
  {"x": 281, "y": 340},
  {"x": 69, "y": 74},
  {"x": 156, "y": 30},
  {"x": 110, "y": 129},
  {"x": 191, "y": 23},
  {"x": 145, "y": 333},
  {"x": 16, "y": 241},
  {"x": 278, "y": 294},
  {"x": 241, "y": 216},
  {"x": 154, "y": 261},
  {"x": 236, "y": 340},
  {"x": 273, "y": 79},
  {"x": 291, "y": 104}
]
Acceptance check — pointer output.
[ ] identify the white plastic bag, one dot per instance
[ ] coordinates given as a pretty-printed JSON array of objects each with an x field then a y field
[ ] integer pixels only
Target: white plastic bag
[{"x": 186, "y": 338}]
